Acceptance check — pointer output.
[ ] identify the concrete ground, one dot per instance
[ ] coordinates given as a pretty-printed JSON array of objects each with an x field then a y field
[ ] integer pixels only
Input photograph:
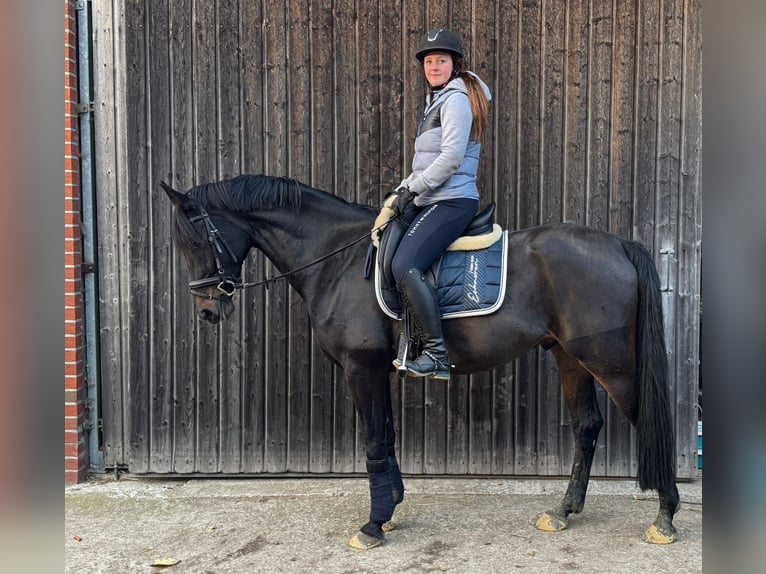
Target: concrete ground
[{"x": 303, "y": 525}]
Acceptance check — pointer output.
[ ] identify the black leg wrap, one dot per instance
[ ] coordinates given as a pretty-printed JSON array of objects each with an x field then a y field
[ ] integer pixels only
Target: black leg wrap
[
  {"x": 397, "y": 484},
  {"x": 374, "y": 530},
  {"x": 381, "y": 492}
]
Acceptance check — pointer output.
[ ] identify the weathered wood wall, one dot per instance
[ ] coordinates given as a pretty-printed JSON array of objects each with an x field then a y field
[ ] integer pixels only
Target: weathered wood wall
[{"x": 596, "y": 119}]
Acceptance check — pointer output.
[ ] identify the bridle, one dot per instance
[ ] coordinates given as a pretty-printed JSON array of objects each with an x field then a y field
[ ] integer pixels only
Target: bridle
[{"x": 227, "y": 283}]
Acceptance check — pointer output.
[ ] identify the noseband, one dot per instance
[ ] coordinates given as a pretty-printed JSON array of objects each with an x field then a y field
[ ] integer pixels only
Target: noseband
[{"x": 226, "y": 284}]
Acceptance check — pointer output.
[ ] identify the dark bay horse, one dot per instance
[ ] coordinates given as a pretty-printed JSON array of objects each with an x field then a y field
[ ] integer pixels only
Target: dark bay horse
[{"x": 589, "y": 297}]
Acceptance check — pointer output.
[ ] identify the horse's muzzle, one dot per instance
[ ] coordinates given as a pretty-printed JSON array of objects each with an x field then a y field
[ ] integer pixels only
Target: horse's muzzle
[{"x": 214, "y": 309}]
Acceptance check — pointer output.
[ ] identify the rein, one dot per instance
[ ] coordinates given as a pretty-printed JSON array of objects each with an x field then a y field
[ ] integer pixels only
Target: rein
[{"x": 227, "y": 284}]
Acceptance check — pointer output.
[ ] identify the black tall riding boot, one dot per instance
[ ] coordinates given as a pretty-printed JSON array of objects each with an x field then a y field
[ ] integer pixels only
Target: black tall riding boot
[{"x": 421, "y": 299}]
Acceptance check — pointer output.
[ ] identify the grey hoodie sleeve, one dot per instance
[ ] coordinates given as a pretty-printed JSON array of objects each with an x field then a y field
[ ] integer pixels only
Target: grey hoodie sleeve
[{"x": 456, "y": 123}]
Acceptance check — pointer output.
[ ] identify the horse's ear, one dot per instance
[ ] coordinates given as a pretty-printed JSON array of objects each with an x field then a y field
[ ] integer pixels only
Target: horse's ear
[{"x": 178, "y": 198}]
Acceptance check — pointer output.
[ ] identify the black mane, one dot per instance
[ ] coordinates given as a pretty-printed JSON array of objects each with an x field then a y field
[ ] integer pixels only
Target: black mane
[{"x": 249, "y": 193}]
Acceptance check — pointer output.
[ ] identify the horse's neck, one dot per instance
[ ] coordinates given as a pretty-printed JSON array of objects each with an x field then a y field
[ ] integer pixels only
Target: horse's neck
[{"x": 292, "y": 239}]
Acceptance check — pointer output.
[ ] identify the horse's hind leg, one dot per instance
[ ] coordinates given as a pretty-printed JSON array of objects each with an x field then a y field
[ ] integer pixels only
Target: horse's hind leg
[
  {"x": 662, "y": 530},
  {"x": 619, "y": 378},
  {"x": 580, "y": 397}
]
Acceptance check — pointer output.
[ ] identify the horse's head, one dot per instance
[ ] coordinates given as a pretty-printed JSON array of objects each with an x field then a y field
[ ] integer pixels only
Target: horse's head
[{"x": 213, "y": 247}]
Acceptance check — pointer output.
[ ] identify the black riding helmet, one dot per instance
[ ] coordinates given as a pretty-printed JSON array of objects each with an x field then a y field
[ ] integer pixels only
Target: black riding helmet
[{"x": 440, "y": 40}]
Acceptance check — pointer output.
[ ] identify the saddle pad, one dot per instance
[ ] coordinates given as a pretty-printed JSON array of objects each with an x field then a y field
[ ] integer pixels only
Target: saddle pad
[{"x": 469, "y": 283}]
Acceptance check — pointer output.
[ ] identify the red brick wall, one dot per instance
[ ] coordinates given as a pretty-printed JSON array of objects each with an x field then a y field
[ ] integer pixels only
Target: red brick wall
[{"x": 75, "y": 448}]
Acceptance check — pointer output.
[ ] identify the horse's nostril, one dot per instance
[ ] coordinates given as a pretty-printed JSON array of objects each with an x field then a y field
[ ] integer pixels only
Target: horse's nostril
[{"x": 208, "y": 315}]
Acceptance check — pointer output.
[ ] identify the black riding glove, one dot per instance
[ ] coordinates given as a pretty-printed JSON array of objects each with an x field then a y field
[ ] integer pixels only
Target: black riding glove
[{"x": 404, "y": 197}]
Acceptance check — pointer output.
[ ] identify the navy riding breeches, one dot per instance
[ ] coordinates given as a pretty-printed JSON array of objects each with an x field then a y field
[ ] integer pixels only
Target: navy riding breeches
[{"x": 432, "y": 228}]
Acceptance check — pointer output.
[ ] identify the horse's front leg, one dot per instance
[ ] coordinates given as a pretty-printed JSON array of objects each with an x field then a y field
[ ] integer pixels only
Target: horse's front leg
[
  {"x": 397, "y": 484},
  {"x": 580, "y": 397},
  {"x": 372, "y": 398}
]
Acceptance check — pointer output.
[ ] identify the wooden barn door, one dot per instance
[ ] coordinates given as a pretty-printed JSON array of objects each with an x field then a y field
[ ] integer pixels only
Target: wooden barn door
[{"x": 595, "y": 120}]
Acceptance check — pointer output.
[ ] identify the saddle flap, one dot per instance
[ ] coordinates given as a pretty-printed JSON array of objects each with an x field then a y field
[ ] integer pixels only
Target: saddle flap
[{"x": 389, "y": 241}]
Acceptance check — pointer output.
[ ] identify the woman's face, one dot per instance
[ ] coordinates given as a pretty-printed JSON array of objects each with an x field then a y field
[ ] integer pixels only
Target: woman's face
[{"x": 438, "y": 67}]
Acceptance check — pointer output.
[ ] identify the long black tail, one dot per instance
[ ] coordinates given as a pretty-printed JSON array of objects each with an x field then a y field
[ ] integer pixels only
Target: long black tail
[{"x": 656, "y": 434}]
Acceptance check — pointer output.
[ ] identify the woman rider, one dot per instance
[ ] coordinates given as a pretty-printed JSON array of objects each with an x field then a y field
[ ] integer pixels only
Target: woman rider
[{"x": 439, "y": 198}]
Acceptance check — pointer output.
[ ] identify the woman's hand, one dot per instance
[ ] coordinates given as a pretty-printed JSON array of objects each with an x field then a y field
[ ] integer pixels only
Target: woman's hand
[{"x": 404, "y": 197}]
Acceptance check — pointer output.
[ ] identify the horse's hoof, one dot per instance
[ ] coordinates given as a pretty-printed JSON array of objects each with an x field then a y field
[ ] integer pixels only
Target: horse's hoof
[
  {"x": 550, "y": 522},
  {"x": 389, "y": 526},
  {"x": 657, "y": 535},
  {"x": 362, "y": 541}
]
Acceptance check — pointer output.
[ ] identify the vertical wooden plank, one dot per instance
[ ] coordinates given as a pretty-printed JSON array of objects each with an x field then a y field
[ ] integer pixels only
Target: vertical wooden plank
[
  {"x": 646, "y": 118},
  {"x": 647, "y": 82},
  {"x": 413, "y": 391},
  {"x": 437, "y": 14},
  {"x": 137, "y": 320},
  {"x": 599, "y": 113},
  {"x": 458, "y": 424},
  {"x": 206, "y": 169},
  {"x": 687, "y": 358},
  {"x": 435, "y": 398},
  {"x": 413, "y": 28},
  {"x": 231, "y": 348},
  {"x": 598, "y": 182},
  {"x": 525, "y": 448},
  {"x": 229, "y": 63},
  {"x": 369, "y": 116},
  {"x": 109, "y": 71},
  {"x": 253, "y": 303},
  {"x": 669, "y": 180},
  {"x": 551, "y": 193},
  {"x": 470, "y": 22},
  {"x": 552, "y": 104},
  {"x": 506, "y": 147},
  {"x": 619, "y": 432},
  {"x": 413, "y": 405},
  {"x": 480, "y": 429},
  {"x": 503, "y": 419},
  {"x": 299, "y": 105},
  {"x": 343, "y": 155},
  {"x": 623, "y": 126},
  {"x": 346, "y": 111},
  {"x": 393, "y": 58},
  {"x": 576, "y": 89},
  {"x": 482, "y": 60},
  {"x": 349, "y": 140},
  {"x": 161, "y": 280},
  {"x": 506, "y": 112},
  {"x": 435, "y": 426},
  {"x": 574, "y": 153},
  {"x": 321, "y": 130},
  {"x": 252, "y": 73},
  {"x": 276, "y": 163},
  {"x": 184, "y": 355}
]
